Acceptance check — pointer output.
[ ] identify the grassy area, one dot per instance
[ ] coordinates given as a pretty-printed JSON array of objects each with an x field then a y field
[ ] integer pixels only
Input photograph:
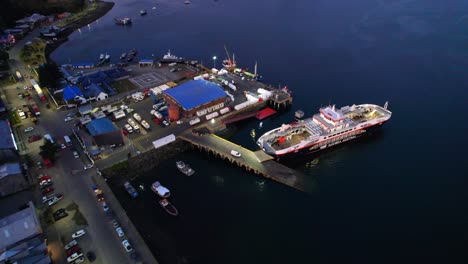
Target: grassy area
[
  {"x": 33, "y": 54},
  {"x": 123, "y": 85},
  {"x": 79, "y": 219}
]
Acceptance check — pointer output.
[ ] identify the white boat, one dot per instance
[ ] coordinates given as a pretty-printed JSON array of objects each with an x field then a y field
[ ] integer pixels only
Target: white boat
[
  {"x": 187, "y": 2},
  {"x": 153, "y": 8},
  {"x": 184, "y": 168},
  {"x": 123, "y": 56},
  {"x": 107, "y": 57},
  {"x": 169, "y": 57},
  {"x": 160, "y": 190},
  {"x": 142, "y": 12},
  {"x": 101, "y": 57}
]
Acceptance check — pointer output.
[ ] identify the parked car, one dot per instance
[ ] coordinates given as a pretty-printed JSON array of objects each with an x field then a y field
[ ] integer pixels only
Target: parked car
[
  {"x": 137, "y": 117},
  {"x": 34, "y": 138},
  {"x": 74, "y": 257},
  {"x": 79, "y": 260},
  {"x": 47, "y": 190},
  {"x": 42, "y": 187},
  {"x": 115, "y": 223},
  {"x": 60, "y": 215},
  {"x": 71, "y": 244},
  {"x": 104, "y": 206},
  {"x": 28, "y": 129},
  {"x": 75, "y": 154},
  {"x": 165, "y": 123},
  {"x": 55, "y": 199},
  {"x": 72, "y": 250},
  {"x": 120, "y": 231},
  {"x": 100, "y": 197},
  {"x": 88, "y": 166},
  {"x": 78, "y": 233},
  {"x": 68, "y": 118},
  {"x": 127, "y": 245},
  {"x": 235, "y": 153}
]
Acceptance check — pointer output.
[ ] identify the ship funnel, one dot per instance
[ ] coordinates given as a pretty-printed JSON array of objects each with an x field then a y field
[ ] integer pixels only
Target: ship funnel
[{"x": 386, "y": 105}]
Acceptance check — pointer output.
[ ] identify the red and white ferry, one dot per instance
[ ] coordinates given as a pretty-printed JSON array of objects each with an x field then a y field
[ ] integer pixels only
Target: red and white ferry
[{"x": 327, "y": 128}]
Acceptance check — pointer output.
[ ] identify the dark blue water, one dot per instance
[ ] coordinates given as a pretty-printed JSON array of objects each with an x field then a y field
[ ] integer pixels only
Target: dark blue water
[{"x": 396, "y": 197}]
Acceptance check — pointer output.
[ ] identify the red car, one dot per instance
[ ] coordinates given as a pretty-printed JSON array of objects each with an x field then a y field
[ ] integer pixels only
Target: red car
[
  {"x": 45, "y": 178},
  {"x": 73, "y": 250},
  {"x": 34, "y": 138},
  {"x": 48, "y": 190}
]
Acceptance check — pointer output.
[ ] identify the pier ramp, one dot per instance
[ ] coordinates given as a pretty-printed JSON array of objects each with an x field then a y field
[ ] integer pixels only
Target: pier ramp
[{"x": 257, "y": 162}]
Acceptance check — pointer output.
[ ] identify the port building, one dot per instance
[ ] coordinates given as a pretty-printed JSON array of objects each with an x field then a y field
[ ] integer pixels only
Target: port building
[{"x": 195, "y": 98}]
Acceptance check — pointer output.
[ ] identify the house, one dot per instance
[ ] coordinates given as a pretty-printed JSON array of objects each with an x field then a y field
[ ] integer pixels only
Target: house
[
  {"x": 22, "y": 239},
  {"x": 72, "y": 92},
  {"x": 95, "y": 92},
  {"x": 12, "y": 179}
]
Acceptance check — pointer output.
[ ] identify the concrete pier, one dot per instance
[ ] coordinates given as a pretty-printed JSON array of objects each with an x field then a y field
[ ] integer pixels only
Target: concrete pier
[{"x": 257, "y": 162}]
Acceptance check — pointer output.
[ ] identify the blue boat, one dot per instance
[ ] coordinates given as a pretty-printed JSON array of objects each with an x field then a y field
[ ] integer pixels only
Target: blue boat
[{"x": 131, "y": 190}]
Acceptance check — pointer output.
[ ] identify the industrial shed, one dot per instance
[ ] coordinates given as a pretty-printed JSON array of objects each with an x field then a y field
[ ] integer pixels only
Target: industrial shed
[{"x": 196, "y": 98}]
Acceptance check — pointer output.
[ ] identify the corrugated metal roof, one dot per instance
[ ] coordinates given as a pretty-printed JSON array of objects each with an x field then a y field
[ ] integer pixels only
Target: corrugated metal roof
[
  {"x": 6, "y": 139},
  {"x": 100, "y": 126},
  {"x": 195, "y": 93},
  {"x": 71, "y": 91},
  {"x": 9, "y": 169}
]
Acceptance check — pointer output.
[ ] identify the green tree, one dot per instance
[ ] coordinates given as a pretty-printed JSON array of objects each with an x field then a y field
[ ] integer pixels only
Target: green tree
[
  {"x": 48, "y": 150},
  {"x": 49, "y": 75}
]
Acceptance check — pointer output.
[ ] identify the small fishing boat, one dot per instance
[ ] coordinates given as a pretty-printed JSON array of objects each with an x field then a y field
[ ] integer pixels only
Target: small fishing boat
[
  {"x": 170, "y": 209},
  {"x": 101, "y": 57},
  {"x": 133, "y": 52},
  {"x": 184, "y": 168},
  {"x": 142, "y": 12},
  {"x": 160, "y": 190},
  {"x": 130, "y": 189},
  {"x": 107, "y": 57},
  {"x": 186, "y": 2},
  {"x": 129, "y": 58},
  {"x": 123, "y": 56},
  {"x": 153, "y": 8}
]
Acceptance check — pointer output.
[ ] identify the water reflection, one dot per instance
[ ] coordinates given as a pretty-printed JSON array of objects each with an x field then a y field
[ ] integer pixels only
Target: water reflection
[{"x": 218, "y": 180}]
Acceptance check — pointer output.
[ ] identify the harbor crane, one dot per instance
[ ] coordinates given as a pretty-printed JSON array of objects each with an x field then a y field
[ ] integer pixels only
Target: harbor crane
[{"x": 228, "y": 63}]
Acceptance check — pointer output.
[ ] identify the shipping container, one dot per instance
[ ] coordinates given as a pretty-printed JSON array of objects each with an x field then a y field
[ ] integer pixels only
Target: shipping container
[
  {"x": 211, "y": 116},
  {"x": 194, "y": 121},
  {"x": 224, "y": 110}
]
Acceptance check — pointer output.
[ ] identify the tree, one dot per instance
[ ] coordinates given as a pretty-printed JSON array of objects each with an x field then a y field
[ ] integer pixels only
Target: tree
[
  {"x": 49, "y": 75},
  {"x": 4, "y": 55},
  {"x": 48, "y": 150}
]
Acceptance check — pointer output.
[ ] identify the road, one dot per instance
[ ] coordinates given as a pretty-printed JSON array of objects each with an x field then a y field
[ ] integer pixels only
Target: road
[{"x": 69, "y": 178}]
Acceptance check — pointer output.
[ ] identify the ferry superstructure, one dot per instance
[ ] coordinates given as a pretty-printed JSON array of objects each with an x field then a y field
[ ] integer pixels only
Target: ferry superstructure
[{"x": 329, "y": 127}]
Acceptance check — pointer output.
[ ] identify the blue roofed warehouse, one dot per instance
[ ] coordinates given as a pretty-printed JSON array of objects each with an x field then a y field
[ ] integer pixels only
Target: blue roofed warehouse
[
  {"x": 196, "y": 98},
  {"x": 104, "y": 132}
]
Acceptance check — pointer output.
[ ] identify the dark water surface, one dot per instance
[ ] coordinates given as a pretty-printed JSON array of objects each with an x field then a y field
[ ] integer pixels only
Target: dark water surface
[{"x": 397, "y": 197}]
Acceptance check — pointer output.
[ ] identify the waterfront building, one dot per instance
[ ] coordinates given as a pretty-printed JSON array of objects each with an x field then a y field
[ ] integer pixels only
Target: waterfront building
[{"x": 196, "y": 98}]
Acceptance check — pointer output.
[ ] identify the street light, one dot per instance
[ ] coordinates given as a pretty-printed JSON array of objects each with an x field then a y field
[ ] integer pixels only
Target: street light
[{"x": 214, "y": 62}]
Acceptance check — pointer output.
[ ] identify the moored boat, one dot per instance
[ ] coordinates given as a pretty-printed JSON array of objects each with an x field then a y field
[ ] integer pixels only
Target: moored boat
[
  {"x": 142, "y": 12},
  {"x": 325, "y": 129},
  {"x": 123, "y": 21},
  {"x": 123, "y": 56},
  {"x": 184, "y": 168},
  {"x": 101, "y": 57},
  {"x": 187, "y": 2},
  {"x": 107, "y": 57},
  {"x": 170, "y": 209},
  {"x": 131, "y": 190},
  {"x": 169, "y": 57},
  {"x": 160, "y": 190}
]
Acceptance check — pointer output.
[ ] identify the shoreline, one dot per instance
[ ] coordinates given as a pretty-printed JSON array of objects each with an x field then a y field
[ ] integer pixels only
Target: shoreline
[{"x": 102, "y": 9}]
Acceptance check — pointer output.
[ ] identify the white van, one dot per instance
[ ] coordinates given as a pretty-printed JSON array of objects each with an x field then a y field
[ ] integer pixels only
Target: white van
[{"x": 235, "y": 154}]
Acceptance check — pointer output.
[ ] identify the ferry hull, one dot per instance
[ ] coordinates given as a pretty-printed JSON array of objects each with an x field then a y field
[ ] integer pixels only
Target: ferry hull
[{"x": 311, "y": 150}]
